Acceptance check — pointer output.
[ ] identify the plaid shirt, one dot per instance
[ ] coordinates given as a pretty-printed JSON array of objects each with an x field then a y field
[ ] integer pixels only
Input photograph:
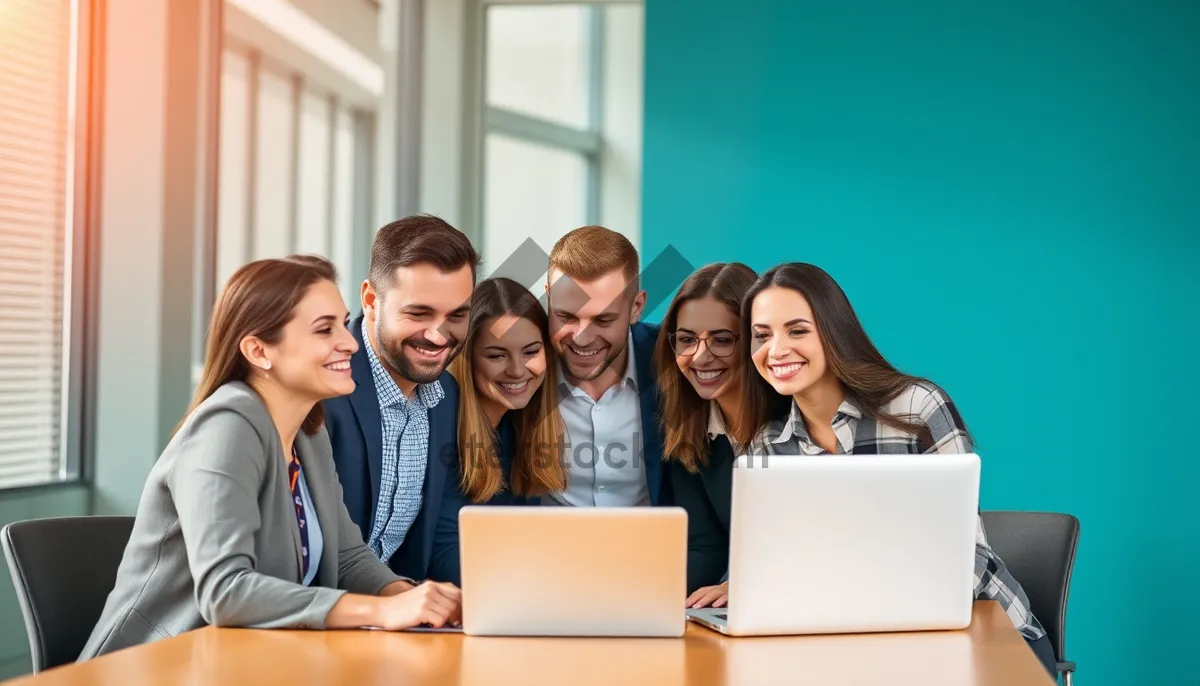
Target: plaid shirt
[
  {"x": 924, "y": 404},
  {"x": 405, "y": 453}
]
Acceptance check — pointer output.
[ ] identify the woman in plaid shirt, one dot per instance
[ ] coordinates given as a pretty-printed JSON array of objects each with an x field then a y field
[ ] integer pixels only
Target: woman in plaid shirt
[{"x": 809, "y": 348}]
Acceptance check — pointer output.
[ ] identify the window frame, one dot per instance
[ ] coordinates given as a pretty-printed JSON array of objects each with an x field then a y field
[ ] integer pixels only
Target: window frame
[
  {"x": 323, "y": 65},
  {"x": 81, "y": 250},
  {"x": 483, "y": 119},
  {"x": 81, "y": 297}
]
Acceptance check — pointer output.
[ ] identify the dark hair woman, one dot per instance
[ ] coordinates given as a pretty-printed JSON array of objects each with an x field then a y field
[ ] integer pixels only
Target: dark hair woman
[
  {"x": 699, "y": 359},
  {"x": 811, "y": 353}
]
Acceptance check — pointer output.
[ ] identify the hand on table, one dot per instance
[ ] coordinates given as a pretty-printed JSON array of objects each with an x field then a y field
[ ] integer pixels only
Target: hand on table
[
  {"x": 709, "y": 596},
  {"x": 434, "y": 603}
]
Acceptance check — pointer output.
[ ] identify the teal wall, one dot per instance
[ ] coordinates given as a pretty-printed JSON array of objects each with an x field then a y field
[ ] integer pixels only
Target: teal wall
[{"x": 1010, "y": 195}]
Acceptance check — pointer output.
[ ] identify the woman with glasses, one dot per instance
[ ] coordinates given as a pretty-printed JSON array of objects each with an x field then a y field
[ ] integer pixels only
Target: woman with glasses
[{"x": 701, "y": 371}]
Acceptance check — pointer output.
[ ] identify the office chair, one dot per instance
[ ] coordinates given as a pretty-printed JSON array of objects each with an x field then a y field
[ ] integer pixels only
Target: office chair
[
  {"x": 63, "y": 569},
  {"x": 1039, "y": 549}
]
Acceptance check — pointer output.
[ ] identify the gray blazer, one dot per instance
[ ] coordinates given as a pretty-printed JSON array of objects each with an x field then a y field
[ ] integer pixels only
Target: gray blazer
[{"x": 215, "y": 539}]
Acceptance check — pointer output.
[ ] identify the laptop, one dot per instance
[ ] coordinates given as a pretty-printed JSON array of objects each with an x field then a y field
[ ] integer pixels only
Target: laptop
[
  {"x": 567, "y": 571},
  {"x": 826, "y": 544}
]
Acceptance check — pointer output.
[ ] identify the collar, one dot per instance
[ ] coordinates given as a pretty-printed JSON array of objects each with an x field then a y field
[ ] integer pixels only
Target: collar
[
  {"x": 630, "y": 377},
  {"x": 389, "y": 392},
  {"x": 794, "y": 428},
  {"x": 716, "y": 421},
  {"x": 630, "y": 362}
]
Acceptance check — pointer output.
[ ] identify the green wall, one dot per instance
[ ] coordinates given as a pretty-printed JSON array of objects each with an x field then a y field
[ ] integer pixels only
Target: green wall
[{"x": 1010, "y": 195}]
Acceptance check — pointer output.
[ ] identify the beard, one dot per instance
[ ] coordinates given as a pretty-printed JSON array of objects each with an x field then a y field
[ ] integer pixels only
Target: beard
[
  {"x": 394, "y": 354},
  {"x": 590, "y": 371}
]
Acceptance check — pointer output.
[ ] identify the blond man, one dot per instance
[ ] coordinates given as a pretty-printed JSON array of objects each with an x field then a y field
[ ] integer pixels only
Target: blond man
[{"x": 607, "y": 390}]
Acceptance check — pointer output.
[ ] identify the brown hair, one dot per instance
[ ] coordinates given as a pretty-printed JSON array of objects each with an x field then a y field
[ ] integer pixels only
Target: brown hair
[
  {"x": 868, "y": 379},
  {"x": 258, "y": 300},
  {"x": 684, "y": 414},
  {"x": 590, "y": 252},
  {"x": 419, "y": 239},
  {"x": 536, "y": 468}
]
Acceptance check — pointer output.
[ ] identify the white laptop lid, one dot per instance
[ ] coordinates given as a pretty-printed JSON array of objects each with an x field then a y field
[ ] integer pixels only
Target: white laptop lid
[
  {"x": 852, "y": 543},
  {"x": 558, "y": 571}
]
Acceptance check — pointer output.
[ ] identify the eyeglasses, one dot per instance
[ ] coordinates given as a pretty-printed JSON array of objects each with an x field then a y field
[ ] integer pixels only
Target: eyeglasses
[{"x": 720, "y": 345}]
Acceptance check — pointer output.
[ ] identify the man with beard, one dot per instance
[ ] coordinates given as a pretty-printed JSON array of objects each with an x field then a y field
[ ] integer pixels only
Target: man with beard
[
  {"x": 608, "y": 395},
  {"x": 394, "y": 437}
]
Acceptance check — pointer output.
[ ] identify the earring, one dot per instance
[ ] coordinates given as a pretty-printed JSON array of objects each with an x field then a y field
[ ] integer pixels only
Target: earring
[{"x": 267, "y": 365}]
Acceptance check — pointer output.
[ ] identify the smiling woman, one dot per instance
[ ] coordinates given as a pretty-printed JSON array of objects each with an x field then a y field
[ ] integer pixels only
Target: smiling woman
[
  {"x": 701, "y": 373},
  {"x": 509, "y": 428},
  {"x": 288, "y": 342},
  {"x": 241, "y": 523},
  {"x": 698, "y": 362},
  {"x": 807, "y": 344},
  {"x": 840, "y": 395}
]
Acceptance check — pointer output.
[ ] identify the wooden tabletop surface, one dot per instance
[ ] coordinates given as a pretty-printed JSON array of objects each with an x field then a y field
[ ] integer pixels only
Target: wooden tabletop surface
[{"x": 990, "y": 653}]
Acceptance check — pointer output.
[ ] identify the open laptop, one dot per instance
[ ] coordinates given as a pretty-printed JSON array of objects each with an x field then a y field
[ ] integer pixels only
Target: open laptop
[
  {"x": 848, "y": 544},
  {"x": 587, "y": 571}
]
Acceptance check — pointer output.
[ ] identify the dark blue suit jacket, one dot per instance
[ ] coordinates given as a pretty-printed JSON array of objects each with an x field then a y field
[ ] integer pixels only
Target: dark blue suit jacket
[
  {"x": 507, "y": 451},
  {"x": 645, "y": 336},
  {"x": 430, "y": 549},
  {"x": 706, "y": 497}
]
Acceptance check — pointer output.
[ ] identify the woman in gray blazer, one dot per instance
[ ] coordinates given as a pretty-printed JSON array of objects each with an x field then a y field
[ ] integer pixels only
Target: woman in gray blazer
[{"x": 241, "y": 522}]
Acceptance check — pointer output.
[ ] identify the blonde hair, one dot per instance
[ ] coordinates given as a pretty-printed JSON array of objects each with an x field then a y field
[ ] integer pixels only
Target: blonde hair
[
  {"x": 537, "y": 466},
  {"x": 589, "y": 252}
]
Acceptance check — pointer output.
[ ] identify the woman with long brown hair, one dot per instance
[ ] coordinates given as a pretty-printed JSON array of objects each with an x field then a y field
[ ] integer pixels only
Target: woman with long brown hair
[
  {"x": 840, "y": 395},
  {"x": 241, "y": 522},
  {"x": 701, "y": 369},
  {"x": 510, "y": 433}
]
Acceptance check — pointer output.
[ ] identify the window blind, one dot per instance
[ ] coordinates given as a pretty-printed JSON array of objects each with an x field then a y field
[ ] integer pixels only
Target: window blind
[{"x": 35, "y": 65}]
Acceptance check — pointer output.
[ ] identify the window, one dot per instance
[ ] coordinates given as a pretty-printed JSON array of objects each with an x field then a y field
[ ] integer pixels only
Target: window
[
  {"x": 291, "y": 158},
  {"x": 542, "y": 204},
  {"x": 538, "y": 62},
  {"x": 42, "y": 126},
  {"x": 541, "y": 175},
  {"x": 300, "y": 89},
  {"x": 274, "y": 146}
]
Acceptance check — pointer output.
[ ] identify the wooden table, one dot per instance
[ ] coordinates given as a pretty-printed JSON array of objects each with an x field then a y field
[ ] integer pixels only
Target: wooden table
[{"x": 990, "y": 652}]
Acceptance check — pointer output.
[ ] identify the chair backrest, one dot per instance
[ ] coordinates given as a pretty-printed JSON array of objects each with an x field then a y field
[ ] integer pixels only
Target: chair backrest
[
  {"x": 63, "y": 569},
  {"x": 1039, "y": 549}
]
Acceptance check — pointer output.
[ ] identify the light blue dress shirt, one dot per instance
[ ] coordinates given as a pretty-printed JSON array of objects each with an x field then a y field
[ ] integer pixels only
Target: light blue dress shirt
[
  {"x": 405, "y": 454},
  {"x": 316, "y": 542},
  {"x": 605, "y": 448}
]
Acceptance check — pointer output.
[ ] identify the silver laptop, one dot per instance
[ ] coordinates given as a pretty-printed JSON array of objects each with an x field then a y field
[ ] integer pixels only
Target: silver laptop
[
  {"x": 848, "y": 544},
  {"x": 587, "y": 571}
]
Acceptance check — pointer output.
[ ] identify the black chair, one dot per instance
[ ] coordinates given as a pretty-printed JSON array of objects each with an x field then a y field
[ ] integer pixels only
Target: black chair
[
  {"x": 1039, "y": 549},
  {"x": 63, "y": 569}
]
